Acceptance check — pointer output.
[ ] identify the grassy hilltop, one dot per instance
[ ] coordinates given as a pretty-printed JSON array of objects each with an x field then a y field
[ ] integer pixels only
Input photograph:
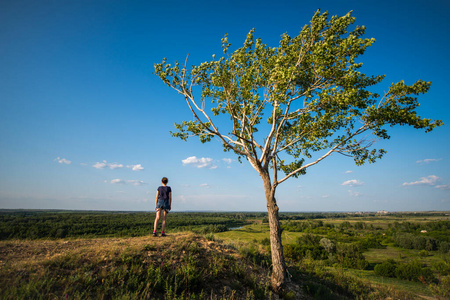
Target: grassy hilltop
[{"x": 330, "y": 256}]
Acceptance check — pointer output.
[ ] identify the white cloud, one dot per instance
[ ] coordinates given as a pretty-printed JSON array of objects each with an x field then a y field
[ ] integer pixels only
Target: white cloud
[
  {"x": 132, "y": 182},
  {"x": 205, "y": 185},
  {"x": 137, "y": 167},
  {"x": 113, "y": 166},
  {"x": 105, "y": 164},
  {"x": 353, "y": 193},
  {"x": 136, "y": 182},
  {"x": 443, "y": 187},
  {"x": 428, "y": 160},
  {"x": 63, "y": 161},
  {"x": 429, "y": 180},
  {"x": 117, "y": 181},
  {"x": 348, "y": 172},
  {"x": 227, "y": 160},
  {"x": 353, "y": 182},
  {"x": 204, "y": 162},
  {"x": 99, "y": 165}
]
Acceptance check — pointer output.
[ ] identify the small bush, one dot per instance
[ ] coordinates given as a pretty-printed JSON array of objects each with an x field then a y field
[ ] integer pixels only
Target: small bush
[
  {"x": 350, "y": 256},
  {"x": 442, "y": 288},
  {"x": 371, "y": 242},
  {"x": 442, "y": 267},
  {"x": 414, "y": 271},
  {"x": 386, "y": 269},
  {"x": 444, "y": 247},
  {"x": 328, "y": 245},
  {"x": 210, "y": 237},
  {"x": 255, "y": 256}
]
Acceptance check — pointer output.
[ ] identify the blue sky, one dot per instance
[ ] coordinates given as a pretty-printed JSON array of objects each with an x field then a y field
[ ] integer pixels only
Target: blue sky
[{"x": 84, "y": 122}]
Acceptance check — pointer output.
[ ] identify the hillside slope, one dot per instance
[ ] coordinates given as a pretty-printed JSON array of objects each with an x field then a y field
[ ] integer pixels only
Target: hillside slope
[{"x": 179, "y": 266}]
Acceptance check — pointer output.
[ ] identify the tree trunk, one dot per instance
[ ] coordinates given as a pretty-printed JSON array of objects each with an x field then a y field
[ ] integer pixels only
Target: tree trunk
[{"x": 279, "y": 273}]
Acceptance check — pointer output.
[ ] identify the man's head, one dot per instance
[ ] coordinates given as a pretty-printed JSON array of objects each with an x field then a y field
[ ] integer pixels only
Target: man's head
[{"x": 164, "y": 180}]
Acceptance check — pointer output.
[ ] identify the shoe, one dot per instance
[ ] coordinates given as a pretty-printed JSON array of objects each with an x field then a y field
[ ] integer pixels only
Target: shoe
[
  {"x": 155, "y": 234},
  {"x": 163, "y": 234}
]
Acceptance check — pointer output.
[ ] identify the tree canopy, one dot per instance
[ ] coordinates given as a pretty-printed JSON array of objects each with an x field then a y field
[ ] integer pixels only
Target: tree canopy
[{"x": 309, "y": 90}]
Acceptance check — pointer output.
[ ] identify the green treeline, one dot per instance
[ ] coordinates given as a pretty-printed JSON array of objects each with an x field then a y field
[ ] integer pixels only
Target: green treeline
[{"x": 68, "y": 224}]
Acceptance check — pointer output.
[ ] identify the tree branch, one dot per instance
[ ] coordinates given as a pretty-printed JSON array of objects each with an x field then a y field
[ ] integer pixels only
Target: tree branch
[{"x": 331, "y": 151}]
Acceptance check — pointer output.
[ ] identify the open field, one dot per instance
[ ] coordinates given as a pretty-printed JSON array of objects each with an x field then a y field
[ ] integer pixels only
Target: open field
[{"x": 330, "y": 256}]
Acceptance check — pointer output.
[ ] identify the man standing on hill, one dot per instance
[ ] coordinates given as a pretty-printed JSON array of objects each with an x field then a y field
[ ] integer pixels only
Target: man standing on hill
[{"x": 163, "y": 203}]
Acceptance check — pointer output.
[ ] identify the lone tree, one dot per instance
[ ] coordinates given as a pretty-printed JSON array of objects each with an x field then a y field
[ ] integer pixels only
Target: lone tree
[{"x": 314, "y": 99}]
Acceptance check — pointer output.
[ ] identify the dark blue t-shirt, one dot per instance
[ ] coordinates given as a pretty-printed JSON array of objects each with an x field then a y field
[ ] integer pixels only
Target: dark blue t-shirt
[{"x": 163, "y": 193}]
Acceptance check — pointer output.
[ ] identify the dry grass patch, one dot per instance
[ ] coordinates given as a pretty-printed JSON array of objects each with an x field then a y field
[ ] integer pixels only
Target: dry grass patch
[{"x": 179, "y": 266}]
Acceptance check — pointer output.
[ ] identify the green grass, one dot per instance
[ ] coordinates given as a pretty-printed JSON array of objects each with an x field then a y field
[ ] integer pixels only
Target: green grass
[
  {"x": 401, "y": 255},
  {"x": 381, "y": 255},
  {"x": 417, "y": 288},
  {"x": 246, "y": 234},
  {"x": 256, "y": 232}
]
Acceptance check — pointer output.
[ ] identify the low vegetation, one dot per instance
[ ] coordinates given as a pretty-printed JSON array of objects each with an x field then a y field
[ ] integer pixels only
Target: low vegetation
[{"x": 330, "y": 256}]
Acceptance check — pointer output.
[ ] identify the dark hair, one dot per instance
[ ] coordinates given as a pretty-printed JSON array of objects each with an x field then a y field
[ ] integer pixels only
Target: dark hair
[{"x": 164, "y": 180}]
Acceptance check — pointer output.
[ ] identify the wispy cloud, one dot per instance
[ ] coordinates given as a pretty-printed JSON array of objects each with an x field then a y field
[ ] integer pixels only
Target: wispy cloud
[
  {"x": 113, "y": 166},
  {"x": 136, "y": 182},
  {"x": 429, "y": 180},
  {"x": 205, "y": 185},
  {"x": 348, "y": 172},
  {"x": 105, "y": 164},
  {"x": 99, "y": 165},
  {"x": 227, "y": 160},
  {"x": 428, "y": 160},
  {"x": 117, "y": 181},
  {"x": 353, "y": 193},
  {"x": 132, "y": 182},
  {"x": 63, "y": 161},
  {"x": 137, "y": 167},
  {"x": 353, "y": 182},
  {"x": 203, "y": 162},
  {"x": 443, "y": 187}
]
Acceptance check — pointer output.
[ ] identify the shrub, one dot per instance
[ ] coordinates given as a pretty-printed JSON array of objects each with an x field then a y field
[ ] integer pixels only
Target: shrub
[
  {"x": 350, "y": 256},
  {"x": 328, "y": 245},
  {"x": 296, "y": 252},
  {"x": 414, "y": 271},
  {"x": 254, "y": 255},
  {"x": 386, "y": 269},
  {"x": 211, "y": 229},
  {"x": 370, "y": 241},
  {"x": 444, "y": 247},
  {"x": 442, "y": 288},
  {"x": 442, "y": 267},
  {"x": 411, "y": 241}
]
